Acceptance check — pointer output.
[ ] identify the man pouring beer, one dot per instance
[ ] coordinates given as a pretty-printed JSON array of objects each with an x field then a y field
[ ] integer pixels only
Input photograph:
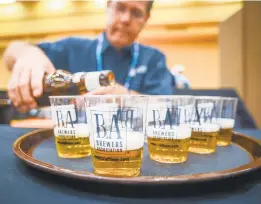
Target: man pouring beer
[{"x": 138, "y": 69}]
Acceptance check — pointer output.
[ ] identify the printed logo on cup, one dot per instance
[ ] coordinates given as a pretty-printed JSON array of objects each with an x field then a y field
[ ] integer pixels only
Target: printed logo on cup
[
  {"x": 66, "y": 122},
  {"x": 64, "y": 116},
  {"x": 205, "y": 117},
  {"x": 114, "y": 127},
  {"x": 169, "y": 123},
  {"x": 161, "y": 117},
  {"x": 205, "y": 113}
]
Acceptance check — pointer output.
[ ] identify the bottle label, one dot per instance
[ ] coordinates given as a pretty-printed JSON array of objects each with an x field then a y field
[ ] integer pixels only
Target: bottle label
[
  {"x": 92, "y": 80},
  {"x": 77, "y": 77}
]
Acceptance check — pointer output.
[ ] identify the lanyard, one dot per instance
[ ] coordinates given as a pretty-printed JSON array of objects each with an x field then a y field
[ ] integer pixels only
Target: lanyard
[{"x": 134, "y": 61}]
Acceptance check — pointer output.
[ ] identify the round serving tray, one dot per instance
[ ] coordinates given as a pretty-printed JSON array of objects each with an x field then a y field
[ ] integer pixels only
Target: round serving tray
[{"x": 37, "y": 149}]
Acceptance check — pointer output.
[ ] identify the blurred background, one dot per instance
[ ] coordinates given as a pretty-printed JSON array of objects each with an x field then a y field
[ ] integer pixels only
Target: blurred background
[{"x": 217, "y": 42}]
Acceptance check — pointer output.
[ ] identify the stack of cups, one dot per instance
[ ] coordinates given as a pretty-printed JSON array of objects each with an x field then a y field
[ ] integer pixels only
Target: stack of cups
[{"x": 113, "y": 129}]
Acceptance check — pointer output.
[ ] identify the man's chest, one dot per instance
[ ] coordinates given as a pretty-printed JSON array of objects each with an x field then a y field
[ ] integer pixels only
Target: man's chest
[{"x": 118, "y": 62}]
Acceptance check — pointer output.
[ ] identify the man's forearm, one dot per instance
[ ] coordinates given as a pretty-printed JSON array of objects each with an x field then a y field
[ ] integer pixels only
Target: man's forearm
[
  {"x": 131, "y": 92},
  {"x": 13, "y": 52}
]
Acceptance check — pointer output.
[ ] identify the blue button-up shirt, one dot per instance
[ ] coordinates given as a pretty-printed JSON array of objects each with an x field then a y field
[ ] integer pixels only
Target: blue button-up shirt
[{"x": 79, "y": 54}]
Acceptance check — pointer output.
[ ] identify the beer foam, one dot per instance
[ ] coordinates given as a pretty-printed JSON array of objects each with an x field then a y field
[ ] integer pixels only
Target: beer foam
[
  {"x": 135, "y": 140},
  {"x": 130, "y": 140},
  {"x": 176, "y": 132},
  {"x": 81, "y": 130},
  {"x": 205, "y": 127},
  {"x": 226, "y": 123}
]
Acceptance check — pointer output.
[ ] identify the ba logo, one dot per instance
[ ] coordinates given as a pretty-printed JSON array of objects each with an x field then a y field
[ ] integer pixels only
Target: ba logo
[
  {"x": 108, "y": 123},
  {"x": 205, "y": 112},
  {"x": 65, "y": 117},
  {"x": 163, "y": 117}
]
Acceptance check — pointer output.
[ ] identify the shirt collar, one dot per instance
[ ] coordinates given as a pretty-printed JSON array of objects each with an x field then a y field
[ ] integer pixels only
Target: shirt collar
[{"x": 106, "y": 44}]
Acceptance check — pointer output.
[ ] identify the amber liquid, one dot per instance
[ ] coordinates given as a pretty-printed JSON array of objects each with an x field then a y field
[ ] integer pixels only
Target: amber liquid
[
  {"x": 58, "y": 84},
  {"x": 117, "y": 164},
  {"x": 224, "y": 137},
  {"x": 203, "y": 142},
  {"x": 72, "y": 147},
  {"x": 168, "y": 150}
]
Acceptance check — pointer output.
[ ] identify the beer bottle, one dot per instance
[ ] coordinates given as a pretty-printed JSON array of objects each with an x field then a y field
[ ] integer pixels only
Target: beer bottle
[{"x": 64, "y": 83}]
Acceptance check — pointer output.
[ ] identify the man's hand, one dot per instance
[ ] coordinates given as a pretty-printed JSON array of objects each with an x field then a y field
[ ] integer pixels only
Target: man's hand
[
  {"x": 28, "y": 70},
  {"x": 117, "y": 89}
]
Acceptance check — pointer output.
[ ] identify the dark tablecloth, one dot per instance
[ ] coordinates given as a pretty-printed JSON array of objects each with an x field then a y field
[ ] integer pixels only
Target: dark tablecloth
[{"x": 21, "y": 184}]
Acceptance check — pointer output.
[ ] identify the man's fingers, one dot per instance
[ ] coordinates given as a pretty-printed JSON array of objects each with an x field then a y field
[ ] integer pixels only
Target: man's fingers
[
  {"x": 100, "y": 91},
  {"x": 26, "y": 82},
  {"x": 25, "y": 88},
  {"x": 116, "y": 89},
  {"x": 37, "y": 76},
  {"x": 13, "y": 89},
  {"x": 23, "y": 109},
  {"x": 50, "y": 69}
]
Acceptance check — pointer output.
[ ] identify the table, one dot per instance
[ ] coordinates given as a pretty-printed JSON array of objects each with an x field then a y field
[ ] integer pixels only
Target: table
[
  {"x": 32, "y": 123},
  {"x": 21, "y": 184}
]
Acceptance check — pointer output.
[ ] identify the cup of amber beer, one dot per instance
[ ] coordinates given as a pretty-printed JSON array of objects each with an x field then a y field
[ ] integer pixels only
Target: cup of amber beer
[
  {"x": 117, "y": 133},
  {"x": 168, "y": 128},
  {"x": 204, "y": 124},
  {"x": 71, "y": 131},
  {"x": 227, "y": 120}
]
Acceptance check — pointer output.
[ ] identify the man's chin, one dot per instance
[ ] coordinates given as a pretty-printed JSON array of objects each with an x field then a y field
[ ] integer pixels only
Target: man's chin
[{"x": 120, "y": 43}]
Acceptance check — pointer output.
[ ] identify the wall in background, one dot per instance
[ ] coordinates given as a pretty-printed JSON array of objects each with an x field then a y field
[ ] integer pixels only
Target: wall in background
[
  {"x": 186, "y": 33},
  {"x": 201, "y": 61},
  {"x": 240, "y": 46},
  {"x": 5, "y": 74}
]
